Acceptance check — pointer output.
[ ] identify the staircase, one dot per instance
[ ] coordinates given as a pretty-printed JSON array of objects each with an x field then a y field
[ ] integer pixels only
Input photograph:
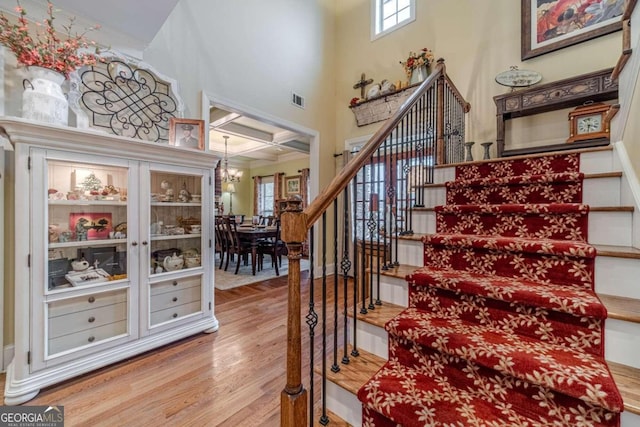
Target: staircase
[{"x": 497, "y": 322}]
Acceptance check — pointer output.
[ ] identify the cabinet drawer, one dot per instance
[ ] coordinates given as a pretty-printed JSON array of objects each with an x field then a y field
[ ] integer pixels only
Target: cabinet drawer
[
  {"x": 89, "y": 336},
  {"x": 174, "y": 298},
  {"x": 86, "y": 319},
  {"x": 174, "y": 313},
  {"x": 172, "y": 285},
  {"x": 89, "y": 302}
]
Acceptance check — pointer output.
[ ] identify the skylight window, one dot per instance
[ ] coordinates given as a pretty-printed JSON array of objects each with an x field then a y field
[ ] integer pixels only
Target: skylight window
[{"x": 389, "y": 15}]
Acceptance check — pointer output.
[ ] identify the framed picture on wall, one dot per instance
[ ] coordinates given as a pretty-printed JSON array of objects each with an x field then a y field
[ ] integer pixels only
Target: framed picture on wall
[
  {"x": 187, "y": 133},
  {"x": 549, "y": 25},
  {"x": 292, "y": 185}
]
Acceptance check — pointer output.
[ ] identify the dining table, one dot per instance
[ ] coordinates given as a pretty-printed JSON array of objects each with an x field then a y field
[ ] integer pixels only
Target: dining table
[{"x": 253, "y": 235}]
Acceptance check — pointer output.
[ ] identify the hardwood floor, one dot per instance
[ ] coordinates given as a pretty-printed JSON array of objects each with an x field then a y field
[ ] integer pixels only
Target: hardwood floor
[{"x": 229, "y": 378}]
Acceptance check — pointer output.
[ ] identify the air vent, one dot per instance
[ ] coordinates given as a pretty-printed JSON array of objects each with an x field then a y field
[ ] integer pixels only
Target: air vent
[{"x": 297, "y": 100}]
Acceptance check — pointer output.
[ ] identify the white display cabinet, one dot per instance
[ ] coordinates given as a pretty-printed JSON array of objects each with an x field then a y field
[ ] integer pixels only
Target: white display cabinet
[{"x": 113, "y": 250}]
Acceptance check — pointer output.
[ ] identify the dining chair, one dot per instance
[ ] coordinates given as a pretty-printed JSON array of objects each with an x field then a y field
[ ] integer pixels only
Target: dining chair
[
  {"x": 235, "y": 246},
  {"x": 274, "y": 247}
]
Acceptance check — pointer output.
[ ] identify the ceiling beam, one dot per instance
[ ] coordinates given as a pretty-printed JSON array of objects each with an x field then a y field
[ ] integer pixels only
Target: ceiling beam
[
  {"x": 246, "y": 132},
  {"x": 218, "y": 117}
]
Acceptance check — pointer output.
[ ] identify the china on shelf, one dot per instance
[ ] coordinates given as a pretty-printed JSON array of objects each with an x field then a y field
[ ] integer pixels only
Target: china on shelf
[{"x": 173, "y": 263}]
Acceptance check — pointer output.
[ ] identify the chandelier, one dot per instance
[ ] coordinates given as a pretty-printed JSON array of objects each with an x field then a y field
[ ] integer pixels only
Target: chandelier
[{"x": 229, "y": 175}]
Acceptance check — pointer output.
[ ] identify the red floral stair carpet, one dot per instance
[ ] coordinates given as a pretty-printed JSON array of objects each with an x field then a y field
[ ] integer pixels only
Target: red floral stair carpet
[{"x": 503, "y": 327}]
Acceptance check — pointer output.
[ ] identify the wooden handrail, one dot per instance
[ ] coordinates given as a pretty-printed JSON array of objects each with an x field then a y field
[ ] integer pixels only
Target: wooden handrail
[{"x": 327, "y": 196}]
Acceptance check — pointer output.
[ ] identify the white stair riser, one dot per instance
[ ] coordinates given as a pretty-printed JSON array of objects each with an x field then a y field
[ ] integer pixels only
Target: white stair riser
[
  {"x": 344, "y": 404},
  {"x": 629, "y": 419},
  {"x": 410, "y": 252},
  {"x": 394, "y": 290},
  {"x": 597, "y": 162},
  {"x": 621, "y": 343},
  {"x": 601, "y": 191},
  {"x": 617, "y": 276},
  {"x": 444, "y": 174},
  {"x": 610, "y": 228},
  {"x": 435, "y": 197},
  {"x": 371, "y": 338},
  {"x": 424, "y": 222}
]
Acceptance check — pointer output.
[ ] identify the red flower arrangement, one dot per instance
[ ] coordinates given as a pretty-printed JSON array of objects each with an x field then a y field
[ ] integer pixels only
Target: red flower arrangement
[
  {"x": 416, "y": 60},
  {"x": 354, "y": 101},
  {"x": 46, "y": 48}
]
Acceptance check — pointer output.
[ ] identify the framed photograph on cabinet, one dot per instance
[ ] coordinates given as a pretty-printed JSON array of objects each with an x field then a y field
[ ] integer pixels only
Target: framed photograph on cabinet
[
  {"x": 292, "y": 185},
  {"x": 187, "y": 133},
  {"x": 549, "y": 25}
]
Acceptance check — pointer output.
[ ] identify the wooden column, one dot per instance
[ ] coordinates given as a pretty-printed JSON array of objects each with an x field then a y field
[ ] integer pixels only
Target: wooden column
[{"x": 293, "y": 400}]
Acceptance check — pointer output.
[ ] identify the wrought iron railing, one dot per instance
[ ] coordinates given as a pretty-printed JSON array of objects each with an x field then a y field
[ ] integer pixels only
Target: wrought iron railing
[{"x": 374, "y": 198}]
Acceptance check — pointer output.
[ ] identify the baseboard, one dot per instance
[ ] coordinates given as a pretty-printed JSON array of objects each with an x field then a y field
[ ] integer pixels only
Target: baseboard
[
  {"x": 7, "y": 352},
  {"x": 630, "y": 180}
]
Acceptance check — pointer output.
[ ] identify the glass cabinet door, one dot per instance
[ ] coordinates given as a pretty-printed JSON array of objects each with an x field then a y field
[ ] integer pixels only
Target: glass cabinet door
[
  {"x": 87, "y": 216},
  {"x": 175, "y": 221}
]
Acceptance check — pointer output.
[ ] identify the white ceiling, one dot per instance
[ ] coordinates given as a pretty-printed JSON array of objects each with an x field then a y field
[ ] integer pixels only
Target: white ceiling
[{"x": 141, "y": 19}]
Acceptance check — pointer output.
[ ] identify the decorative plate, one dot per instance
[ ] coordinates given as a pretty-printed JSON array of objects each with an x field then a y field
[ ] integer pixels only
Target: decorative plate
[{"x": 518, "y": 78}]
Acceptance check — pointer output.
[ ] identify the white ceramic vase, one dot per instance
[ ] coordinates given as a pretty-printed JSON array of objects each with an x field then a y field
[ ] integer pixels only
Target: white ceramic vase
[
  {"x": 43, "y": 99},
  {"x": 419, "y": 74}
]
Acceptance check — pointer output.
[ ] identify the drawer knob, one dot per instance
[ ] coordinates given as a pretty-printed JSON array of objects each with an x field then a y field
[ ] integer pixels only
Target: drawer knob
[
  {"x": 175, "y": 283},
  {"x": 174, "y": 299},
  {"x": 91, "y": 300},
  {"x": 92, "y": 339},
  {"x": 134, "y": 243},
  {"x": 175, "y": 315},
  {"x": 92, "y": 319}
]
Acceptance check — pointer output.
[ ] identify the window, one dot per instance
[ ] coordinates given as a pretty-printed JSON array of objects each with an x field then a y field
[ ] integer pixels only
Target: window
[
  {"x": 389, "y": 15},
  {"x": 265, "y": 197}
]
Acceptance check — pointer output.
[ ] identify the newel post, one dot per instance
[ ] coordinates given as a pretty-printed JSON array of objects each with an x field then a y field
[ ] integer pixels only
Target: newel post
[{"x": 293, "y": 400}]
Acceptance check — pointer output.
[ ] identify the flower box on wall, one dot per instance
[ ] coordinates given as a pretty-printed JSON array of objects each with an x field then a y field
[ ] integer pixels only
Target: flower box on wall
[{"x": 382, "y": 107}]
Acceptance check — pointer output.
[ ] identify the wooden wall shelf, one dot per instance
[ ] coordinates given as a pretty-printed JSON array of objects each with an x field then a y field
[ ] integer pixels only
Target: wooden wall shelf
[
  {"x": 596, "y": 86},
  {"x": 381, "y": 107}
]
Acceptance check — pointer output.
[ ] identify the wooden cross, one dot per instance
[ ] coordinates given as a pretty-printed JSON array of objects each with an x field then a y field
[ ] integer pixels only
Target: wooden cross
[{"x": 362, "y": 84}]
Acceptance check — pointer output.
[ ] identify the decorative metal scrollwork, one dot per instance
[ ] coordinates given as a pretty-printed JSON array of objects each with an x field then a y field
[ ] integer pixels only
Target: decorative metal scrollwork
[{"x": 125, "y": 99}]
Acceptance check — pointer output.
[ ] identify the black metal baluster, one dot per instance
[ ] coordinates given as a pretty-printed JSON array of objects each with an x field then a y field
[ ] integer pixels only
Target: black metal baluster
[
  {"x": 345, "y": 265},
  {"x": 335, "y": 367},
  {"x": 324, "y": 419},
  {"x": 396, "y": 188},
  {"x": 385, "y": 201},
  {"x": 371, "y": 225},
  {"x": 363, "y": 240},
  {"x": 354, "y": 350},
  {"x": 375, "y": 210},
  {"x": 312, "y": 322}
]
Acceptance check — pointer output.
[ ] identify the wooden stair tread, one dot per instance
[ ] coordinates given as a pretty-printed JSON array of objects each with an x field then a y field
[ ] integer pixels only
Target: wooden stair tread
[
  {"x": 621, "y": 308},
  {"x": 334, "y": 420},
  {"x": 381, "y": 314},
  {"x": 618, "y": 251},
  {"x": 359, "y": 370},
  {"x": 603, "y": 175},
  {"x": 400, "y": 271},
  {"x": 415, "y": 237},
  {"x": 611, "y": 208},
  {"x": 628, "y": 381}
]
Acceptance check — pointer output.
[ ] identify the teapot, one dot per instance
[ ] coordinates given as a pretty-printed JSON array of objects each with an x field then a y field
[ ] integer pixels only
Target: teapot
[
  {"x": 80, "y": 264},
  {"x": 173, "y": 263}
]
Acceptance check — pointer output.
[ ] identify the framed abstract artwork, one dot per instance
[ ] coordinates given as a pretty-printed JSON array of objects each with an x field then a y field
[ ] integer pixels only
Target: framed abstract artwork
[{"x": 549, "y": 25}]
